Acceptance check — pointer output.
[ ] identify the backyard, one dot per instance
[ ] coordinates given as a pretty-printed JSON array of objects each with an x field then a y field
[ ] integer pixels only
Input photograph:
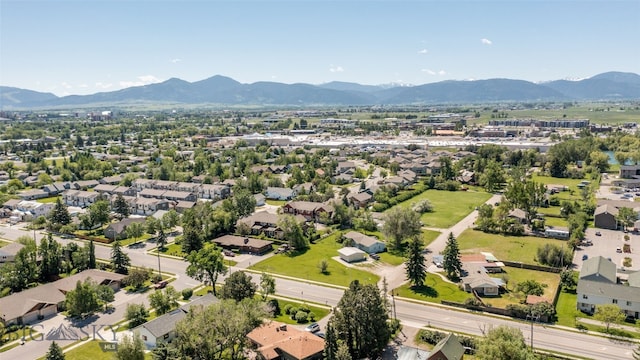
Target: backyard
[
  {"x": 304, "y": 265},
  {"x": 449, "y": 207},
  {"x": 508, "y": 248}
]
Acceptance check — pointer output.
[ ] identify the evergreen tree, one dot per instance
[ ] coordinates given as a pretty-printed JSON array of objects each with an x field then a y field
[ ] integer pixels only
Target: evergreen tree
[
  {"x": 54, "y": 352},
  {"x": 451, "y": 262},
  {"x": 330, "y": 343},
  {"x": 121, "y": 207},
  {"x": 50, "y": 254},
  {"x": 361, "y": 319},
  {"x": 119, "y": 259},
  {"x": 59, "y": 216},
  {"x": 92, "y": 255},
  {"x": 416, "y": 268}
]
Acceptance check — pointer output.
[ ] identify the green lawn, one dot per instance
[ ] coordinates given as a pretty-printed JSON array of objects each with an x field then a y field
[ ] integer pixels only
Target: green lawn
[
  {"x": 516, "y": 275},
  {"x": 318, "y": 311},
  {"x": 555, "y": 221},
  {"x": 510, "y": 248},
  {"x": 397, "y": 257},
  {"x": 571, "y": 183},
  {"x": 434, "y": 290},
  {"x": 92, "y": 351},
  {"x": 48, "y": 200},
  {"x": 304, "y": 265},
  {"x": 4, "y": 243},
  {"x": 276, "y": 202},
  {"x": 449, "y": 206},
  {"x": 566, "y": 309},
  {"x": 172, "y": 249}
]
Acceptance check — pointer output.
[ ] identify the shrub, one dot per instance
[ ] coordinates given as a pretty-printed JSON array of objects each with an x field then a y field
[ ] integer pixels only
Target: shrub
[
  {"x": 431, "y": 336},
  {"x": 187, "y": 293},
  {"x": 312, "y": 316},
  {"x": 287, "y": 309},
  {"x": 394, "y": 326},
  {"x": 473, "y": 302},
  {"x": 301, "y": 316},
  {"x": 156, "y": 278},
  {"x": 293, "y": 311}
]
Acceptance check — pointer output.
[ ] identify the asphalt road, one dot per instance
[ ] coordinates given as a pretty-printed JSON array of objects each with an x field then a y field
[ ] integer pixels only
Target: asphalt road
[{"x": 410, "y": 313}]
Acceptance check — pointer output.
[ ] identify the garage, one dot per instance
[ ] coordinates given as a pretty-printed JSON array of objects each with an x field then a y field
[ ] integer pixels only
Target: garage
[
  {"x": 49, "y": 310},
  {"x": 30, "y": 317},
  {"x": 352, "y": 254}
]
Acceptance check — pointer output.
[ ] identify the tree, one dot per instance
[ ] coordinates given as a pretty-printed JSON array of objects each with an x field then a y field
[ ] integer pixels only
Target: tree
[
  {"x": 415, "y": 266},
  {"x": 91, "y": 250},
  {"x": 609, "y": 314},
  {"x": 50, "y": 255},
  {"x": 121, "y": 207},
  {"x": 293, "y": 233},
  {"x": 130, "y": 347},
  {"x": 504, "y": 343},
  {"x": 219, "y": 331},
  {"x": 119, "y": 259},
  {"x": 105, "y": 294},
  {"x": 99, "y": 212},
  {"x": 59, "y": 216},
  {"x": 135, "y": 230},
  {"x": 330, "y": 343},
  {"x": 244, "y": 202},
  {"x": 25, "y": 264},
  {"x": 83, "y": 299},
  {"x": 165, "y": 351},
  {"x": 137, "y": 277},
  {"x": 238, "y": 286},
  {"x": 530, "y": 287},
  {"x": 401, "y": 224},
  {"x": 527, "y": 196},
  {"x": 360, "y": 320},
  {"x": 627, "y": 216},
  {"x": 170, "y": 219},
  {"x": 267, "y": 285},
  {"x": 567, "y": 280},
  {"x": 165, "y": 300},
  {"x": 206, "y": 264},
  {"x": 54, "y": 352},
  {"x": 492, "y": 178},
  {"x": 136, "y": 314},
  {"x": 451, "y": 260},
  {"x": 422, "y": 206},
  {"x": 343, "y": 352}
]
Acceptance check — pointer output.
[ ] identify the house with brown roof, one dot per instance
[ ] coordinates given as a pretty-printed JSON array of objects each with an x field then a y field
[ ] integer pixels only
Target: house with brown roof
[
  {"x": 118, "y": 230},
  {"x": 360, "y": 200},
  {"x": 310, "y": 210},
  {"x": 244, "y": 244},
  {"x": 274, "y": 340}
]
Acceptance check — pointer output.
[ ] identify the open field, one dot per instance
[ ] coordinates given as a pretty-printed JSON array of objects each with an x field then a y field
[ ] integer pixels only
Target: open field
[
  {"x": 510, "y": 248},
  {"x": 318, "y": 311},
  {"x": 434, "y": 290},
  {"x": 449, "y": 207},
  {"x": 514, "y": 276},
  {"x": 304, "y": 265},
  {"x": 592, "y": 111},
  {"x": 397, "y": 257}
]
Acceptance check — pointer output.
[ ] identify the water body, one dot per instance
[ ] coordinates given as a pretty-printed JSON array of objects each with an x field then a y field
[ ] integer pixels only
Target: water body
[{"x": 612, "y": 159}]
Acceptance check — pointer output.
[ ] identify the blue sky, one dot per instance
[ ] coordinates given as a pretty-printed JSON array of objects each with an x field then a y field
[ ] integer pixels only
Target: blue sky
[{"x": 82, "y": 47}]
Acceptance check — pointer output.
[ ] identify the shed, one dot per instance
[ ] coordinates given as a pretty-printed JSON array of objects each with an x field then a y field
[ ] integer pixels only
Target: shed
[{"x": 352, "y": 254}]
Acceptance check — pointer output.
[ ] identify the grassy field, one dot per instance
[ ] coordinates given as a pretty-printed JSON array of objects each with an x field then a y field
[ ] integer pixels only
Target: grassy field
[
  {"x": 318, "y": 311},
  {"x": 397, "y": 257},
  {"x": 514, "y": 276},
  {"x": 510, "y": 248},
  {"x": 592, "y": 111},
  {"x": 434, "y": 290},
  {"x": 173, "y": 250},
  {"x": 566, "y": 309},
  {"x": 276, "y": 202},
  {"x": 449, "y": 206},
  {"x": 304, "y": 265},
  {"x": 4, "y": 243},
  {"x": 92, "y": 351},
  {"x": 48, "y": 200}
]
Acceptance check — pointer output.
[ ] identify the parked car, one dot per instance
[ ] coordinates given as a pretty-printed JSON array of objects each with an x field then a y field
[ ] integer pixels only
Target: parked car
[
  {"x": 161, "y": 285},
  {"x": 585, "y": 257},
  {"x": 229, "y": 253},
  {"x": 320, "y": 335},
  {"x": 598, "y": 233},
  {"x": 313, "y": 327},
  {"x": 618, "y": 250},
  {"x": 375, "y": 256}
]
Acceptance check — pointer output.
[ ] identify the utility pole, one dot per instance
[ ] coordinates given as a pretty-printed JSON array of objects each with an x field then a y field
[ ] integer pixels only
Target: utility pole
[{"x": 393, "y": 300}]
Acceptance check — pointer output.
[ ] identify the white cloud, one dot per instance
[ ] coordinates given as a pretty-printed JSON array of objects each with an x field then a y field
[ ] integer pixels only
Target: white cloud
[
  {"x": 486, "y": 41},
  {"x": 141, "y": 80},
  {"x": 101, "y": 85},
  {"x": 335, "y": 69},
  {"x": 66, "y": 85},
  {"x": 442, "y": 73},
  {"x": 428, "y": 71},
  {"x": 175, "y": 61},
  {"x": 423, "y": 51}
]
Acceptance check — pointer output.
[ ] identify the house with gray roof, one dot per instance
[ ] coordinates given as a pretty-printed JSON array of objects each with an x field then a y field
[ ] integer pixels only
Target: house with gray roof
[
  {"x": 598, "y": 285},
  {"x": 365, "y": 242},
  {"x": 9, "y": 252},
  {"x": 163, "y": 328}
]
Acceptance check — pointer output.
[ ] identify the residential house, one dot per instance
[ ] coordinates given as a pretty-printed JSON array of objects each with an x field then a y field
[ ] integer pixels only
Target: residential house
[
  {"x": 84, "y": 184},
  {"x": 279, "y": 193},
  {"x": 311, "y": 211},
  {"x": 343, "y": 179},
  {"x": 214, "y": 191},
  {"x": 182, "y": 206},
  {"x": 56, "y": 188},
  {"x": 108, "y": 190},
  {"x": 33, "y": 194},
  {"x": 163, "y": 328},
  {"x": 80, "y": 198},
  {"x": 118, "y": 230},
  {"x": 360, "y": 200},
  {"x": 244, "y": 244},
  {"x": 448, "y": 348},
  {"x": 629, "y": 171},
  {"x": 174, "y": 195},
  {"x": 477, "y": 280},
  {"x": 261, "y": 200},
  {"x": 266, "y": 223},
  {"x": 598, "y": 284},
  {"x": 344, "y": 166},
  {"x": 9, "y": 252},
  {"x": 31, "y": 305},
  {"x": 365, "y": 243},
  {"x": 519, "y": 215},
  {"x": 274, "y": 340},
  {"x": 27, "y": 210},
  {"x": 146, "y": 207}
]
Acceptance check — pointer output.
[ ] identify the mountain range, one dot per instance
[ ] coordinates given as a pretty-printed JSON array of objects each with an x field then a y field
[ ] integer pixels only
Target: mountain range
[{"x": 221, "y": 90}]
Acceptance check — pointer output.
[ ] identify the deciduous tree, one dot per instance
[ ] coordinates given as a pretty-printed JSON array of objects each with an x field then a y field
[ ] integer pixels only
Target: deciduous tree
[
  {"x": 504, "y": 343},
  {"x": 83, "y": 299},
  {"x": 130, "y": 347},
  {"x": 609, "y": 314},
  {"x": 136, "y": 314},
  {"x": 401, "y": 224},
  {"x": 267, "y": 285},
  {"x": 238, "y": 286},
  {"x": 206, "y": 264},
  {"x": 165, "y": 300}
]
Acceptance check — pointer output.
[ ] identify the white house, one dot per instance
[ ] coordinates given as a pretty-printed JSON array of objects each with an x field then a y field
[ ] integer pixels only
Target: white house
[
  {"x": 598, "y": 285},
  {"x": 352, "y": 254},
  {"x": 365, "y": 243}
]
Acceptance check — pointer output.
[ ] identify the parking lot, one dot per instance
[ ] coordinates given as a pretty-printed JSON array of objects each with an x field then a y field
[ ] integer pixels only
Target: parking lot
[{"x": 606, "y": 244}]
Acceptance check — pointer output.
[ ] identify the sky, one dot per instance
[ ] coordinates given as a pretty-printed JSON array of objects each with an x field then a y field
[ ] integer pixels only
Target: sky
[{"x": 87, "y": 46}]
